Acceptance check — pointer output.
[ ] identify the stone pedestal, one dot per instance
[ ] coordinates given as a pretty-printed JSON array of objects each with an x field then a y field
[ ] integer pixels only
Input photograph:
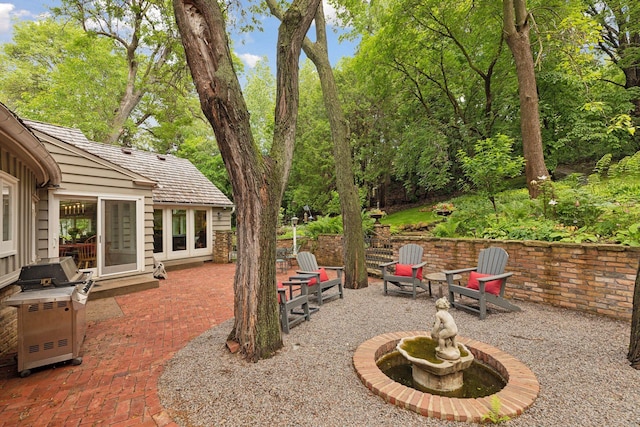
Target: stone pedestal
[{"x": 443, "y": 376}]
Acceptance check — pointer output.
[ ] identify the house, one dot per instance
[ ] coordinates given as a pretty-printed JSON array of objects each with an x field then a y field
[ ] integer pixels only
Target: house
[
  {"x": 117, "y": 211},
  {"x": 27, "y": 170},
  {"x": 143, "y": 207},
  {"x": 181, "y": 208}
]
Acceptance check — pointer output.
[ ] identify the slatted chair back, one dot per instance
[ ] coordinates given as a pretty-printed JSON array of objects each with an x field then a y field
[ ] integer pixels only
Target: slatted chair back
[
  {"x": 410, "y": 254},
  {"x": 307, "y": 261},
  {"x": 492, "y": 261}
]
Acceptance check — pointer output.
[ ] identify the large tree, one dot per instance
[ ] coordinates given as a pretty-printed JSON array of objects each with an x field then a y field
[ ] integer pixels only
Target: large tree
[
  {"x": 354, "y": 255},
  {"x": 56, "y": 73},
  {"x": 620, "y": 22},
  {"x": 145, "y": 33},
  {"x": 258, "y": 181},
  {"x": 516, "y": 27}
]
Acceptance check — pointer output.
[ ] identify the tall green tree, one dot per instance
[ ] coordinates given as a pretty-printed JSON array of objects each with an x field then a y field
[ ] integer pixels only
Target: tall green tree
[
  {"x": 620, "y": 23},
  {"x": 144, "y": 31},
  {"x": 57, "y": 73},
  {"x": 260, "y": 92},
  {"x": 258, "y": 180},
  {"x": 516, "y": 27},
  {"x": 354, "y": 254}
]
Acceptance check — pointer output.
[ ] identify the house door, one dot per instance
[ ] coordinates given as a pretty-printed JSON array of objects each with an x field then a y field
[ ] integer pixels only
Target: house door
[{"x": 120, "y": 236}]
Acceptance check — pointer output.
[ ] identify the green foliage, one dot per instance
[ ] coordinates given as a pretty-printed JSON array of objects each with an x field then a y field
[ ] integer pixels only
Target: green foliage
[
  {"x": 577, "y": 207},
  {"x": 629, "y": 165},
  {"x": 57, "y": 73},
  {"x": 446, "y": 228},
  {"x": 493, "y": 416},
  {"x": 603, "y": 165},
  {"x": 603, "y": 212},
  {"x": 629, "y": 236},
  {"x": 260, "y": 93},
  {"x": 324, "y": 225},
  {"x": 491, "y": 165}
]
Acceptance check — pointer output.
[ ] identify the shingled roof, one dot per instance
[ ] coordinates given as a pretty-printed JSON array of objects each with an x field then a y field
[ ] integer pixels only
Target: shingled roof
[{"x": 177, "y": 180}]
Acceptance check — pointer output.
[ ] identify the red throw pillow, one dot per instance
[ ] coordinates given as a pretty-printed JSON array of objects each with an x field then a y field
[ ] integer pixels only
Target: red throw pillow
[
  {"x": 406, "y": 270},
  {"x": 323, "y": 277},
  {"x": 493, "y": 286}
]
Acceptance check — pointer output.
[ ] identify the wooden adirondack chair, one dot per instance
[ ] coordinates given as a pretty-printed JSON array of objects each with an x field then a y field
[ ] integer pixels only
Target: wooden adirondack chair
[
  {"x": 293, "y": 301},
  {"x": 407, "y": 276},
  {"x": 308, "y": 265},
  {"x": 486, "y": 284}
]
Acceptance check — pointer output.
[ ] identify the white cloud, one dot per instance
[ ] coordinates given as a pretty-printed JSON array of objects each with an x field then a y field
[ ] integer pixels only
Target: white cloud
[
  {"x": 330, "y": 14},
  {"x": 5, "y": 17},
  {"x": 250, "y": 59}
]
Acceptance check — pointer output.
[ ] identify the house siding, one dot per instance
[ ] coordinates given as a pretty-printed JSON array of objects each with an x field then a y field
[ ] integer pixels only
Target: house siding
[
  {"x": 83, "y": 173},
  {"x": 10, "y": 266}
]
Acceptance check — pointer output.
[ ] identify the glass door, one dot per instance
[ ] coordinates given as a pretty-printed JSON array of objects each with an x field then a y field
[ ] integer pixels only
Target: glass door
[{"x": 119, "y": 236}]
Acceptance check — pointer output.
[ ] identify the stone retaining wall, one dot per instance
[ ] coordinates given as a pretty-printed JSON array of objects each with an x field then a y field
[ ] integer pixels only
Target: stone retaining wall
[
  {"x": 591, "y": 278},
  {"x": 596, "y": 279}
]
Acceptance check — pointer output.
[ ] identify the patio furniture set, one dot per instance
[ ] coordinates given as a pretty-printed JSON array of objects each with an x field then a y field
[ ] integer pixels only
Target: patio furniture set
[
  {"x": 485, "y": 285},
  {"x": 486, "y": 282},
  {"x": 311, "y": 283}
]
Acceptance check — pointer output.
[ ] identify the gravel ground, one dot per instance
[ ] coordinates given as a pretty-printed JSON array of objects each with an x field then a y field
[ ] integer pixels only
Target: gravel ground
[{"x": 579, "y": 360}]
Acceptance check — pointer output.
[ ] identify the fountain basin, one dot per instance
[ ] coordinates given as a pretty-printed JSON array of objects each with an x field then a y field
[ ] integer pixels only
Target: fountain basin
[
  {"x": 518, "y": 394},
  {"x": 428, "y": 370}
]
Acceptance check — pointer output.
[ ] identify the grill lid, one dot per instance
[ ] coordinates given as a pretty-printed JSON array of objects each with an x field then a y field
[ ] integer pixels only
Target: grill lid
[{"x": 49, "y": 273}]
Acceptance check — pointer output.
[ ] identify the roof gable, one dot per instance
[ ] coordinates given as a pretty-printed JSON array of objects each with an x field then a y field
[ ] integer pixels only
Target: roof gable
[{"x": 177, "y": 180}]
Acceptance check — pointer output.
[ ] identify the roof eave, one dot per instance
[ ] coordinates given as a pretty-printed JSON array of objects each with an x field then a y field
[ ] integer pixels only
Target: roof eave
[{"x": 29, "y": 148}]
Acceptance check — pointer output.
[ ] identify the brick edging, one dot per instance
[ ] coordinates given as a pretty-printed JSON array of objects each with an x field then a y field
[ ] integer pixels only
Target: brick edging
[{"x": 519, "y": 394}]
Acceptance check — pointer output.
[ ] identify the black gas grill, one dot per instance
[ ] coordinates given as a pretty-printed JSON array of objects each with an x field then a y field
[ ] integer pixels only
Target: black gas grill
[
  {"x": 51, "y": 273},
  {"x": 51, "y": 312}
]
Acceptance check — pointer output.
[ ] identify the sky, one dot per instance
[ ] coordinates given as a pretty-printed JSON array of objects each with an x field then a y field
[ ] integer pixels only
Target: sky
[{"x": 249, "y": 47}]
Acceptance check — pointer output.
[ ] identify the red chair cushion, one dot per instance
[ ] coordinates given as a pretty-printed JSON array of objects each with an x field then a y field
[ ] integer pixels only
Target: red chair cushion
[
  {"x": 493, "y": 286},
  {"x": 280, "y": 286},
  {"x": 323, "y": 277},
  {"x": 406, "y": 270}
]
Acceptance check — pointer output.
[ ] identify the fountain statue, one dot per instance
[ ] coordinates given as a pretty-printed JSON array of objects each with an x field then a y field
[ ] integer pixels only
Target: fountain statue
[
  {"x": 445, "y": 331},
  {"x": 438, "y": 361}
]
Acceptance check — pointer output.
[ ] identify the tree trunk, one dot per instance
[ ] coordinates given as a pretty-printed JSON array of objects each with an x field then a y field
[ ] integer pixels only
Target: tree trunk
[
  {"x": 356, "y": 276},
  {"x": 634, "y": 342},
  {"x": 516, "y": 32},
  {"x": 257, "y": 182},
  {"x": 128, "y": 103}
]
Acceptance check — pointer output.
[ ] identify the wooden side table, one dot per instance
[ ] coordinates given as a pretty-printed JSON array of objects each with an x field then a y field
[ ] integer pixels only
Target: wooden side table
[{"x": 441, "y": 278}]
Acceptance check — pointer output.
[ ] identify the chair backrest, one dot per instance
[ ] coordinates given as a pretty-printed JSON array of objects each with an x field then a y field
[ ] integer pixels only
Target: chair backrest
[
  {"x": 87, "y": 251},
  {"x": 307, "y": 261},
  {"x": 410, "y": 254},
  {"x": 492, "y": 260}
]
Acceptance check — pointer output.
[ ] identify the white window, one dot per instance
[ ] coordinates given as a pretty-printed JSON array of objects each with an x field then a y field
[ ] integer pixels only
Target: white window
[{"x": 8, "y": 215}]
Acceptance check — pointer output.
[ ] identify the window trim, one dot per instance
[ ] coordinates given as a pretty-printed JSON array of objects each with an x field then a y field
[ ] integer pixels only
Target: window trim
[{"x": 9, "y": 247}]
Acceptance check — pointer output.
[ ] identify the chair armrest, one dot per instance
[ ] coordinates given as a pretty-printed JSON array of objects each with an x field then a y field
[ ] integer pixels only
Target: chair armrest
[
  {"x": 461, "y": 270},
  {"x": 387, "y": 264},
  {"x": 332, "y": 268},
  {"x": 422, "y": 264},
  {"x": 309, "y": 275},
  {"x": 306, "y": 272},
  {"x": 496, "y": 277},
  {"x": 298, "y": 283}
]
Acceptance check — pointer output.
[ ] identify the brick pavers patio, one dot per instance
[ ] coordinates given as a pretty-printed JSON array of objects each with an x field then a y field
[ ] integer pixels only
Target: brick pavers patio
[{"x": 123, "y": 357}]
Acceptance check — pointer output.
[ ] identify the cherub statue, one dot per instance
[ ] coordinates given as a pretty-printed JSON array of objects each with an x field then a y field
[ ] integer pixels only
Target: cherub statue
[{"x": 445, "y": 331}]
